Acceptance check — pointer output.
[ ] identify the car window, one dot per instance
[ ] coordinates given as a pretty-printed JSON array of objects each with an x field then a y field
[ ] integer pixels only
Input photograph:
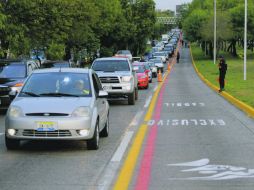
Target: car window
[
  {"x": 47, "y": 84},
  {"x": 13, "y": 70},
  {"x": 111, "y": 65}
]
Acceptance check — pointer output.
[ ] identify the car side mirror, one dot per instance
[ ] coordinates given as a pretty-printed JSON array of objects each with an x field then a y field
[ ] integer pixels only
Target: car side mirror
[
  {"x": 12, "y": 94},
  {"x": 103, "y": 94}
]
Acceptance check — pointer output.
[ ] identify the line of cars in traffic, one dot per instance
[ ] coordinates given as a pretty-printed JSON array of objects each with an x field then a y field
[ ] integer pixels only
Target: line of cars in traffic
[{"x": 62, "y": 103}]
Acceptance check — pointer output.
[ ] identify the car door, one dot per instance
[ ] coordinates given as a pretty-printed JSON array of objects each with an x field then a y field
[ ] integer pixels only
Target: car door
[{"x": 101, "y": 103}]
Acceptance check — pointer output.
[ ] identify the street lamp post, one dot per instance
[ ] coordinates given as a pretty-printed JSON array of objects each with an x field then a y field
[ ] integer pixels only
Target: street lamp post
[
  {"x": 215, "y": 29},
  {"x": 245, "y": 41}
]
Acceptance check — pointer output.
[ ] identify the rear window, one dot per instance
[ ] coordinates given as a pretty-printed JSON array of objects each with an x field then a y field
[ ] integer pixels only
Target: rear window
[
  {"x": 111, "y": 65},
  {"x": 12, "y": 70}
]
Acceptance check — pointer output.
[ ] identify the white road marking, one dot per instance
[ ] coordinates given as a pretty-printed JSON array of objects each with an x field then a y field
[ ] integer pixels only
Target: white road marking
[
  {"x": 155, "y": 88},
  {"x": 148, "y": 101},
  {"x": 136, "y": 119},
  {"x": 122, "y": 147},
  {"x": 109, "y": 173},
  {"x": 218, "y": 172}
]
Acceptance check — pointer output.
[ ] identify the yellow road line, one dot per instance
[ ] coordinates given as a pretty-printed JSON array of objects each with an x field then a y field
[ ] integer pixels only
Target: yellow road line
[
  {"x": 244, "y": 107},
  {"x": 128, "y": 167}
]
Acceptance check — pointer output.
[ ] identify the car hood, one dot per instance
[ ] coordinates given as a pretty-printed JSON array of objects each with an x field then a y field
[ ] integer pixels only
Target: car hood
[
  {"x": 51, "y": 104},
  {"x": 10, "y": 81}
]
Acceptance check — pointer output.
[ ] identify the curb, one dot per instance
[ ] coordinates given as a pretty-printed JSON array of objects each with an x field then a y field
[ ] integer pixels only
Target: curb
[{"x": 239, "y": 104}]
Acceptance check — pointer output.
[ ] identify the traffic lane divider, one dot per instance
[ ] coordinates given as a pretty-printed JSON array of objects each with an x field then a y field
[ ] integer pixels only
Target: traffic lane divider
[
  {"x": 126, "y": 172},
  {"x": 241, "y": 105}
]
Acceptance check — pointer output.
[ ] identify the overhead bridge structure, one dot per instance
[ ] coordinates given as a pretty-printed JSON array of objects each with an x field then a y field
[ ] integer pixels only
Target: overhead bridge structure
[{"x": 167, "y": 20}]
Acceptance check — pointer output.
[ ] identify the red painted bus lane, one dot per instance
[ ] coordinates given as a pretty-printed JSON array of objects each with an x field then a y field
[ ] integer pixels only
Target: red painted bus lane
[{"x": 144, "y": 172}]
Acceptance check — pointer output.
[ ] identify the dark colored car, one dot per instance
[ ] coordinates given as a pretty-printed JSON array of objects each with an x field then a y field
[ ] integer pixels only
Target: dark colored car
[
  {"x": 12, "y": 76},
  {"x": 56, "y": 64}
]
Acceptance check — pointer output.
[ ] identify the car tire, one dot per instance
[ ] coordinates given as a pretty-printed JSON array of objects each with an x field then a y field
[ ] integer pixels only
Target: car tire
[
  {"x": 131, "y": 98},
  {"x": 105, "y": 130},
  {"x": 136, "y": 93},
  {"x": 11, "y": 144},
  {"x": 147, "y": 86},
  {"x": 93, "y": 143}
]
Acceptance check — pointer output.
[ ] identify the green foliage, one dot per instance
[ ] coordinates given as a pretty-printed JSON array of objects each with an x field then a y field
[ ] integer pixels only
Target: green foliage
[
  {"x": 235, "y": 84},
  {"x": 76, "y": 24},
  {"x": 55, "y": 51}
]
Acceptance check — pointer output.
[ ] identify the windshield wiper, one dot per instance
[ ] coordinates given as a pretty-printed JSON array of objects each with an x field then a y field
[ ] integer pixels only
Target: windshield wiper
[
  {"x": 58, "y": 94},
  {"x": 30, "y": 94}
]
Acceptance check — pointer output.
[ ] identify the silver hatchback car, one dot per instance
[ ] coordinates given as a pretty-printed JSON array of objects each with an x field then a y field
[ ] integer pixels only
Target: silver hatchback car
[{"x": 59, "y": 104}]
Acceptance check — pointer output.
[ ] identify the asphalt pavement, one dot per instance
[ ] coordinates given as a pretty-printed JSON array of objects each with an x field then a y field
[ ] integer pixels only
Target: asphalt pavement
[
  {"x": 196, "y": 140},
  {"x": 53, "y": 165}
]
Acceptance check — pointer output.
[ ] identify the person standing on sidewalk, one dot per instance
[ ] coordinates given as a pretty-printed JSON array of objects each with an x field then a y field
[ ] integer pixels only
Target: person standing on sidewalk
[
  {"x": 177, "y": 56},
  {"x": 222, "y": 69}
]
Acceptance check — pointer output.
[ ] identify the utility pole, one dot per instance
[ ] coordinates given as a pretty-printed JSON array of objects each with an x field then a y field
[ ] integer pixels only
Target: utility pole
[
  {"x": 215, "y": 29},
  {"x": 245, "y": 41}
]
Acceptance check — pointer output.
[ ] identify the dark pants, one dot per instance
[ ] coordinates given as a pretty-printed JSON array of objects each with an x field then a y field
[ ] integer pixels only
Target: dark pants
[{"x": 222, "y": 79}]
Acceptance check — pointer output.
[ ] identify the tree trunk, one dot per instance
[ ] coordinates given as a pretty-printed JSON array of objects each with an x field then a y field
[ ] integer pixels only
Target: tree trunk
[{"x": 211, "y": 50}]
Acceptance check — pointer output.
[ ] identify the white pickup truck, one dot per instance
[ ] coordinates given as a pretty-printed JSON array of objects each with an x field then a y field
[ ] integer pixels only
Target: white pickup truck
[{"x": 117, "y": 78}]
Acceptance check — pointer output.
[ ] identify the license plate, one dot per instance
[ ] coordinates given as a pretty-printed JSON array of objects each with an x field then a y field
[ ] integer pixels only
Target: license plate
[
  {"x": 107, "y": 88},
  {"x": 46, "y": 126}
]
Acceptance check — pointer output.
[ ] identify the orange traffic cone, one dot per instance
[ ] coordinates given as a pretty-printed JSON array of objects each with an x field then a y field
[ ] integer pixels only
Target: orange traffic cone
[
  {"x": 159, "y": 76},
  {"x": 168, "y": 67}
]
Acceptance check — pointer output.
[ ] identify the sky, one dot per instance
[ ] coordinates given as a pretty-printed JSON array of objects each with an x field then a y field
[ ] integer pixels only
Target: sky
[{"x": 169, "y": 4}]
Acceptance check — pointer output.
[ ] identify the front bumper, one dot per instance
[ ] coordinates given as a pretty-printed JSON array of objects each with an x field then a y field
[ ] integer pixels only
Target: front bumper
[
  {"x": 4, "y": 102},
  {"x": 67, "y": 128},
  {"x": 119, "y": 88}
]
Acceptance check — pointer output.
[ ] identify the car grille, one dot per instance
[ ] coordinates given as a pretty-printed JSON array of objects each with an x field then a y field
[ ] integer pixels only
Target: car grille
[
  {"x": 47, "y": 114},
  {"x": 109, "y": 80},
  {"x": 57, "y": 133},
  {"x": 4, "y": 90}
]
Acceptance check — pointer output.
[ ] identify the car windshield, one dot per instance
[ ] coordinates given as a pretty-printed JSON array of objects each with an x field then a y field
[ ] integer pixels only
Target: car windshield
[
  {"x": 13, "y": 70},
  {"x": 125, "y": 52},
  {"x": 156, "y": 60},
  {"x": 55, "y": 65},
  {"x": 159, "y": 54},
  {"x": 111, "y": 65},
  {"x": 57, "y": 84},
  {"x": 139, "y": 69}
]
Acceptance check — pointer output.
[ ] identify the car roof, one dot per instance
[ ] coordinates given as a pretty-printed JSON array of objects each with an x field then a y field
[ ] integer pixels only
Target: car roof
[
  {"x": 111, "y": 59},
  {"x": 52, "y": 62},
  {"x": 55, "y": 70},
  {"x": 6, "y": 61}
]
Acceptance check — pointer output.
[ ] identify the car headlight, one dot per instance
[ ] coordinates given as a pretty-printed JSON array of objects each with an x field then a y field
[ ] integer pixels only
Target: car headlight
[
  {"x": 126, "y": 78},
  {"x": 15, "y": 111},
  {"x": 81, "y": 112},
  {"x": 17, "y": 87}
]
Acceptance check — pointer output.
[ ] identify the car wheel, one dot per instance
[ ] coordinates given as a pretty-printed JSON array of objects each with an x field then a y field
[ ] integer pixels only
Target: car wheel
[
  {"x": 136, "y": 93},
  {"x": 11, "y": 144},
  {"x": 93, "y": 143},
  {"x": 105, "y": 130},
  {"x": 131, "y": 98},
  {"x": 147, "y": 86}
]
